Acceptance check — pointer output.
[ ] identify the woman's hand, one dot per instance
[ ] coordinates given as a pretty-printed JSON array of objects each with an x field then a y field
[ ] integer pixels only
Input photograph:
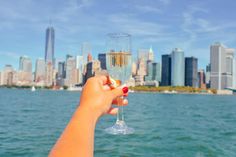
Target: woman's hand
[
  {"x": 97, "y": 96},
  {"x": 96, "y": 99}
]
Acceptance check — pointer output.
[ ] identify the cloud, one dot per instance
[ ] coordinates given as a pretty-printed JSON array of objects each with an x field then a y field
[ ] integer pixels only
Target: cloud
[
  {"x": 147, "y": 8},
  {"x": 131, "y": 24},
  {"x": 166, "y": 2},
  {"x": 12, "y": 55}
]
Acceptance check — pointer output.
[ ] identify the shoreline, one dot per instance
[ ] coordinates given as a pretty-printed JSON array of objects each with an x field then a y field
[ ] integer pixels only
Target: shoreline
[{"x": 132, "y": 90}]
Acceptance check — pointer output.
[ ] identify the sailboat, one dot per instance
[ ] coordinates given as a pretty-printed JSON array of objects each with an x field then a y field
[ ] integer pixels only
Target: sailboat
[{"x": 33, "y": 89}]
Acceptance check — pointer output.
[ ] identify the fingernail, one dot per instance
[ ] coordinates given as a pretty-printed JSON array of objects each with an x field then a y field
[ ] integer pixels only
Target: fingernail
[{"x": 125, "y": 90}]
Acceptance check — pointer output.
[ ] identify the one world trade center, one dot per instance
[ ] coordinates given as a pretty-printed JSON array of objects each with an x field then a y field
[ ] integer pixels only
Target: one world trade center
[{"x": 49, "y": 49}]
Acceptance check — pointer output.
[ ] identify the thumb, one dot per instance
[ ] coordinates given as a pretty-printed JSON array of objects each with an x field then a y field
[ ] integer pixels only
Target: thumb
[{"x": 120, "y": 91}]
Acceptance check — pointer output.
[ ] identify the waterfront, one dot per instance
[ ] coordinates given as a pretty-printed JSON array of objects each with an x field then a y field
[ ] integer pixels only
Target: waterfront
[{"x": 166, "y": 124}]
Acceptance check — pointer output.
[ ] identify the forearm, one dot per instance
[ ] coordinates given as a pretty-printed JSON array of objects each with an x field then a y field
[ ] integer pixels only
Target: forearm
[{"x": 78, "y": 137}]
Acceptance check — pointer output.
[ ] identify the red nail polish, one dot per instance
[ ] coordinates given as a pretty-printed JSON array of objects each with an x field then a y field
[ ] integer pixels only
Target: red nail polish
[{"x": 125, "y": 90}]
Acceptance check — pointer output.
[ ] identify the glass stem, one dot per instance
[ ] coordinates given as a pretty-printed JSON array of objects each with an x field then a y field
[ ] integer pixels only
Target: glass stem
[{"x": 120, "y": 115}]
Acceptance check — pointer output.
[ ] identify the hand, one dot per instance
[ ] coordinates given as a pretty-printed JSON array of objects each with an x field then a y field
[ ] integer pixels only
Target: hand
[{"x": 98, "y": 97}]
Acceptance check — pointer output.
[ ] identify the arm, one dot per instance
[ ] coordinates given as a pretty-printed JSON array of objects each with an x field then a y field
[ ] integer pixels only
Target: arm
[
  {"x": 78, "y": 137},
  {"x": 77, "y": 140}
]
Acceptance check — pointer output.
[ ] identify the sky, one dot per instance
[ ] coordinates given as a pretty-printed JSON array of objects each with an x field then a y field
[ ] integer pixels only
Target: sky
[{"x": 163, "y": 24}]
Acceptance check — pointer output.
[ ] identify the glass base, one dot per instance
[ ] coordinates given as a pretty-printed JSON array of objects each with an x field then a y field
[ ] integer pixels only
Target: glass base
[{"x": 120, "y": 128}]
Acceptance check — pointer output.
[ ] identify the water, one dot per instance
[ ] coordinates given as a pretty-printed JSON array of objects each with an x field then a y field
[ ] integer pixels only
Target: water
[{"x": 165, "y": 125}]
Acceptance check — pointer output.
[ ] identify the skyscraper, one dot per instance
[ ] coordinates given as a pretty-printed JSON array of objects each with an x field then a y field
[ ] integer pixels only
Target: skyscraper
[
  {"x": 208, "y": 75},
  {"x": 156, "y": 72},
  {"x": 151, "y": 54},
  {"x": 7, "y": 75},
  {"x": 61, "y": 74},
  {"x": 40, "y": 71},
  {"x": 141, "y": 71},
  {"x": 71, "y": 72},
  {"x": 91, "y": 68},
  {"x": 149, "y": 76},
  {"x": 85, "y": 49},
  {"x": 1, "y": 78},
  {"x": 49, "y": 74},
  {"x": 102, "y": 59},
  {"x": 143, "y": 54},
  {"x": 166, "y": 70},
  {"x": 61, "y": 70},
  {"x": 177, "y": 67},
  {"x": 49, "y": 48},
  {"x": 221, "y": 59},
  {"x": 234, "y": 73},
  {"x": 25, "y": 71},
  {"x": 25, "y": 64},
  {"x": 201, "y": 79},
  {"x": 79, "y": 67},
  {"x": 134, "y": 68},
  {"x": 191, "y": 68},
  {"x": 89, "y": 58}
]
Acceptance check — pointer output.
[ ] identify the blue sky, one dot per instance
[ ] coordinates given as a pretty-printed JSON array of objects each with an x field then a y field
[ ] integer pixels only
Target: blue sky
[{"x": 164, "y": 24}]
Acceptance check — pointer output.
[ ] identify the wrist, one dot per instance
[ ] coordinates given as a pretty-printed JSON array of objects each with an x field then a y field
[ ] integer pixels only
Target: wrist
[{"x": 87, "y": 112}]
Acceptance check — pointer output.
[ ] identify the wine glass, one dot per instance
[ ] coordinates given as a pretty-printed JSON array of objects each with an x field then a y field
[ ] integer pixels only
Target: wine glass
[{"x": 118, "y": 63}]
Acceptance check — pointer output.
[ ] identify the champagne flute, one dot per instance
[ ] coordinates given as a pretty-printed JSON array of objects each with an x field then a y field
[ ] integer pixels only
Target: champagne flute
[{"x": 118, "y": 63}]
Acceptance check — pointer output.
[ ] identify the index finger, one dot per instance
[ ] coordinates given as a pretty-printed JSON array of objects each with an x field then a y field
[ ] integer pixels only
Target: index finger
[{"x": 103, "y": 79}]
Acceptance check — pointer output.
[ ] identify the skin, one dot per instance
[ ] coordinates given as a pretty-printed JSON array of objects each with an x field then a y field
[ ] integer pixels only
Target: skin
[{"x": 77, "y": 140}]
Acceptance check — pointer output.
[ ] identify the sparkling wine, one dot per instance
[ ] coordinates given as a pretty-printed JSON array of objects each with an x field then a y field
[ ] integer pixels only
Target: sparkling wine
[{"x": 119, "y": 65}]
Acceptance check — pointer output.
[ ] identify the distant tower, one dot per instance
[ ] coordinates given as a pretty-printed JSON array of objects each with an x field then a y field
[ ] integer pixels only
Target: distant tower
[
  {"x": 201, "y": 79},
  {"x": 234, "y": 74},
  {"x": 177, "y": 67},
  {"x": 191, "y": 71},
  {"x": 25, "y": 64},
  {"x": 221, "y": 63},
  {"x": 89, "y": 58},
  {"x": 49, "y": 48},
  {"x": 85, "y": 49},
  {"x": 102, "y": 59},
  {"x": 71, "y": 76},
  {"x": 151, "y": 54},
  {"x": 40, "y": 70},
  {"x": 166, "y": 70}
]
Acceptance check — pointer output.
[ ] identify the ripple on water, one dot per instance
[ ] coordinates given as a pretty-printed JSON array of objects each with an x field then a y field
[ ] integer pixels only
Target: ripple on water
[{"x": 165, "y": 125}]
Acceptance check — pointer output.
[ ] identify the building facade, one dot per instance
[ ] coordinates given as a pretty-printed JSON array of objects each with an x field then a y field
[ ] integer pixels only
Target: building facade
[
  {"x": 166, "y": 70},
  {"x": 79, "y": 67},
  {"x": 85, "y": 49},
  {"x": 1, "y": 78},
  {"x": 40, "y": 72},
  {"x": 25, "y": 64},
  {"x": 177, "y": 67},
  {"x": 91, "y": 69},
  {"x": 151, "y": 54},
  {"x": 149, "y": 76},
  {"x": 191, "y": 71},
  {"x": 71, "y": 72},
  {"x": 9, "y": 76},
  {"x": 102, "y": 59},
  {"x": 221, "y": 59},
  {"x": 25, "y": 71},
  {"x": 201, "y": 79},
  {"x": 49, "y": 74},
  {"x": 156, "y": 72},
  {"x": 234, "y": 74},
  {"x": 208, "y": 75}
]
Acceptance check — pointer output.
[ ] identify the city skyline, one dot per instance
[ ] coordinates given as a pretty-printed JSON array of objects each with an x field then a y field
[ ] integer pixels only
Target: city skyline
[{"x": 164, "y": 24}]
